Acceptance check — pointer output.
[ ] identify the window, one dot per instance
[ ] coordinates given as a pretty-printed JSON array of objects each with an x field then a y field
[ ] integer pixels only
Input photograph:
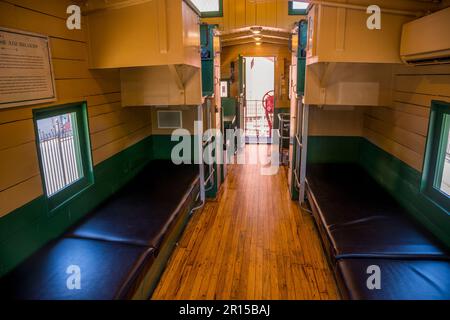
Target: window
[
  {"x": 436, "y": 172},
  {"x": 297, "y": 8},
  {"x": 64, "y": 151},
  {"x": 209, "y": 8}
]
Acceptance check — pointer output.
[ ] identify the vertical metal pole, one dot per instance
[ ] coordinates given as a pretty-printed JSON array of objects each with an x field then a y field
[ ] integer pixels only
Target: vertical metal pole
[
  {"x": 304, "y": 153},
  {"x": 298, "y": 136},
  {"x": 200, "y": 151}
]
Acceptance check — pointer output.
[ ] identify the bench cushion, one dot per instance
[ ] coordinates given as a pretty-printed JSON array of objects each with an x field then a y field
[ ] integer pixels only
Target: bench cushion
[
  {"x": 108, "y": 271},
  {"x": 384, "y": 237},
  {"x": 143, "y": 211},
  {"x": 400, "y": 279},
  {"x": 346, "y": 191},
  {"x": 363, "y": 220}
]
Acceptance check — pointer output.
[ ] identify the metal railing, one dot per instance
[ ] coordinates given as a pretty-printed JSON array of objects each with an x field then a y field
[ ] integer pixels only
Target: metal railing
[
  {"x": 256, "y": 124},
  {"x": 59, "y": 159}
]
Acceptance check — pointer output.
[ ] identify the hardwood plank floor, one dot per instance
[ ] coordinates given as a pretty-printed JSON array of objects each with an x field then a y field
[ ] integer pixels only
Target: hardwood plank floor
[{"x": 253, "y": 242}]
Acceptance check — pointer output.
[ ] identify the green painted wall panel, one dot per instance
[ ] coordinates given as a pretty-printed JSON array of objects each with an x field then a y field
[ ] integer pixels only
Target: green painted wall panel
[{"x": 324, "y": 149}]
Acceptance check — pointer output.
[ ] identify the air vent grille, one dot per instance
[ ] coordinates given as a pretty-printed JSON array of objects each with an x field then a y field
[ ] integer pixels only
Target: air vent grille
[{"x": 170, "y": 119}]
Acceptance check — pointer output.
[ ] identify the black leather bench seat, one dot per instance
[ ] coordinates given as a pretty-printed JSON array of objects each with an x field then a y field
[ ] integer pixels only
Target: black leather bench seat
[
  {"x": 400, "y": 279},
  {"x": 142, "y": 212},
  {"x": 108, "y": 271},
  {"x": 363, "y": 220},
  {"x": 384, "y": 237},
  {"x": 346, "y": 191}
]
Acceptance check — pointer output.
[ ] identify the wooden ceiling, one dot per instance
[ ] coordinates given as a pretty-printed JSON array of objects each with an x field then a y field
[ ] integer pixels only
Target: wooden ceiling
[{"x": 248, "y": 35}]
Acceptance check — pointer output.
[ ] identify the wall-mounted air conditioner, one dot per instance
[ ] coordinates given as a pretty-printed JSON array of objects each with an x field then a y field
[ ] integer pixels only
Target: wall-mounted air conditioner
[{"x": 427, "y": 40}]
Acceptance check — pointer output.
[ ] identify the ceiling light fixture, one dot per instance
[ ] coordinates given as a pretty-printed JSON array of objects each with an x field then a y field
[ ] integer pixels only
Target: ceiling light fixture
[
  {"x": 257, "y": 38},
  {"x": 258, "y": 43},
  {"x": 256, "y": 30}
]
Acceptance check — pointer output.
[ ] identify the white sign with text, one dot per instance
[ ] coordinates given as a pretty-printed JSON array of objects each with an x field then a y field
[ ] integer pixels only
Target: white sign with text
[{"x": 26, "y": 73}]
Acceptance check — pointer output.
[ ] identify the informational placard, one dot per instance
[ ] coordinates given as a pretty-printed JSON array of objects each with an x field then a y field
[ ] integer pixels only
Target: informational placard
[{"x": 26, "y": 73}]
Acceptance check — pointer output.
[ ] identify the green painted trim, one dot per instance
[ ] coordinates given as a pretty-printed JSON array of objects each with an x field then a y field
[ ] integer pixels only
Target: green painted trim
[
  {"x": 27, "y": 229},
  {"x": 229, "y": 106},
  {"x": 296, "y": 12},
  {"x": 83, "y": 149},
  {"x": 327, "y": 149},
  {"x": 301, "y": 56},
  {"x": 214, "y": 14},
  {"x": 435, "y": 154},
  {"x": 207, "y": 44}
]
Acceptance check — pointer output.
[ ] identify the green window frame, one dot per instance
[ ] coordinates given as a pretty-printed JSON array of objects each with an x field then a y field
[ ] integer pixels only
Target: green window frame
[
  {"x": 213, "y": 14},
  {"x": 296, "y": 12},
  {"x": 435, "y": 154},
  {"x": 82, "y": 150}
]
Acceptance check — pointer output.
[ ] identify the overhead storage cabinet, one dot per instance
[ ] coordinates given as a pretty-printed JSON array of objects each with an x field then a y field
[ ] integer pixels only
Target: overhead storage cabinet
[
  {"x": 339, "y": 34},
  {"x": 157, "y": 46},
  {"x": 347, "y": 63}
]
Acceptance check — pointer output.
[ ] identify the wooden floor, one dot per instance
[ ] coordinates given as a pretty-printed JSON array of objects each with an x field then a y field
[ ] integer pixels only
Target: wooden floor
[{"x": 252, "y": 243}]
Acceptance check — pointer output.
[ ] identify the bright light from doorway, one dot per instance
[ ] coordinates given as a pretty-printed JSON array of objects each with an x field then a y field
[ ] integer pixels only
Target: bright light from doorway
[
  {"x": 207, "y": 5},
  {"x": 299, "y": 5}
]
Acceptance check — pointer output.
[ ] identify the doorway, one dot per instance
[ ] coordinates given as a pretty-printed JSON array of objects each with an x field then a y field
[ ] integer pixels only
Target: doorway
[{"x": 259, "y": 99}]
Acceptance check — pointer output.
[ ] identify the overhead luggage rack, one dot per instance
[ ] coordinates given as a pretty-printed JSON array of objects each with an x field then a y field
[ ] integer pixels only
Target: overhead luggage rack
[{"x": 156, "y": 45}]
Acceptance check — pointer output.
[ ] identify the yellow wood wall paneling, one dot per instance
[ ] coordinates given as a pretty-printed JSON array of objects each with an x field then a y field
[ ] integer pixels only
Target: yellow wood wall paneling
[
  {"x": 111, "y": 149},
  {"x": 250, "y": 13},
  {"x": 104, "y": 108},
  {"x": 55, "y": 8},
  {"x": 112, "y": 128},
  {"x": 438, "y": 85},
  {"x": 244, "y": 13},
  {"x": 18, "y": 164},
  {"x": 335, "y": 122},
  {"x": 404, "y": 137},
  {"x": 16, "y": 133},
  {"x": 399, "y": 151},
  {"x": 15, "y": 114},
  {"x": 402, "y": 129},
  {"x": 103, "y": 99},
  {"x": 417, "y": 99},
  {"x": 19, "y": 194},
  {"x": 403, "y": 120},
  {"x": 67, "y": 49}
]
